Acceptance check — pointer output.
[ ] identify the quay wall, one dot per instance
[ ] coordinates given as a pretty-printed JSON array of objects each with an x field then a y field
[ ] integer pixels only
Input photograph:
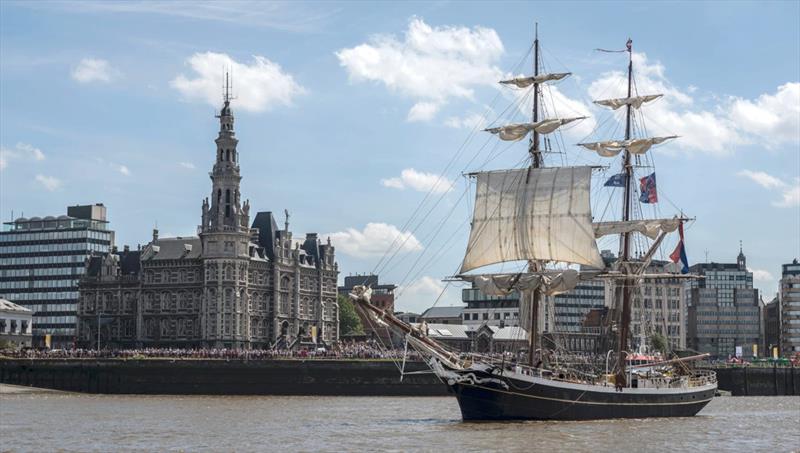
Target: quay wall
[
  {"x": 759, "y": 381},
  {"x": 222, "y": 377},
  {"x": 294, "y": 377}
]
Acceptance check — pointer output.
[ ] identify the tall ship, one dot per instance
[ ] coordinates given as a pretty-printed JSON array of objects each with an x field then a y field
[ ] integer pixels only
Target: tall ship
[{"x": 542, "y": 216}]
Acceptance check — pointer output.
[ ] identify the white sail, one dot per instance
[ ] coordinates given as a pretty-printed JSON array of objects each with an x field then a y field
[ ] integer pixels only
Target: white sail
[
  {"x": 634, "y": 102},
  {"x": 650, "y": 227},
  {"x": 514, "y": 132},
  {"x": 532, "y": 214},
  {"x": 635, "y": 145},
  {"x": 523, "y": 82},
  {"x": 550, "y": 283}
]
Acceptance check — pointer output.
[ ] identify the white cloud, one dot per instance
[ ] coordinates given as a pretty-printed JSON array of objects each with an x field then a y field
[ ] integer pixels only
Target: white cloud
[
  {"x": 673, "y": 114},
  {"x": 374, "y": 240},
  {"x": 421, "y": 294},
  {"x": 790, "y": 193},
  {"x": 423, "y": 111},
  {"x": 790, "y": 196},
  {"x": 430, "y": 65},
  {"x": 49, "y": 182},
  {"x": 470, "y": 121},
  {"x": 124, "y": 170},
  {"x": 769, "y": 120},
  {"x": 761, "y": 275},
  {"x": 775, "y": 118},
  {"x": 260, "y": 85},
  {"x": 187, "y": 165},
  {"x": 762, "y": 179},
  {"x": 419, "y": 181},
  {"x": 558, "y": 105},
  {"x": 23, "y": 151},
  {"x": 93, "y": 69},
  {"x": 32, "y": 151}
]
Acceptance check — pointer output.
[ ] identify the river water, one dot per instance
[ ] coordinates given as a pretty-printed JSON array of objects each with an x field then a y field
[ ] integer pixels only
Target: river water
[{"x": 77, "y": 422}]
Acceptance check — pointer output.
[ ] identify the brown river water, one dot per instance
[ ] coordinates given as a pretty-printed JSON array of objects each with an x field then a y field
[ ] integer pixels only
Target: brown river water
[{"x": 44, "y": 422}]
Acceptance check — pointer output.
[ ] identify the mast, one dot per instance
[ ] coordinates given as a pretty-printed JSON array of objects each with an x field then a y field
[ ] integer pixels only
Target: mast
[
  {"x": 625, "y": 245},
  {"x": 536, "y": 162}
]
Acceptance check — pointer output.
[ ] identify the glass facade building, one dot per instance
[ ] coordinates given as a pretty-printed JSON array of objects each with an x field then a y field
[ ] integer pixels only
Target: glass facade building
[
  {"x": 41, "y": 261},
  {"x": 790, "y": 308},
  {"x": 724, "y": 314}
]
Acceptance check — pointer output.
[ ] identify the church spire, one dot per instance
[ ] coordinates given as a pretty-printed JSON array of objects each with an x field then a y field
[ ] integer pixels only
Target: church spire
[
  {"x": 225, "y": 211},
  {"x": 741, "y": 261},
  {"x": 225, "y": 115}
]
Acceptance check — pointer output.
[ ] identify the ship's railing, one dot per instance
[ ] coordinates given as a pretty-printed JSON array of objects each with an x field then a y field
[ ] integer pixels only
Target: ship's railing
[{"x": 700, "y": 378}]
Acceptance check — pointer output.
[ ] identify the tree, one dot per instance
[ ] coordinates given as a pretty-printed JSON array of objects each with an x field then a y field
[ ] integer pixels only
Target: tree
[
  {"x": 349, "y": 322},
  {"x": 659, "y": 343}
]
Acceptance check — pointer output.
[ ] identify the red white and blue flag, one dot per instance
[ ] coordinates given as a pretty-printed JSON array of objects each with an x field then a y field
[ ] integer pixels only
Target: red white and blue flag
[
  {"x": 648, "y": 189},
  {"x": 679, "y": 254}
]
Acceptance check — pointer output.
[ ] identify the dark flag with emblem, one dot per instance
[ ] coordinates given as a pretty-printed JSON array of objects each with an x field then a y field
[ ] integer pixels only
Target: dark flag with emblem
[{"x": 616, "y": 181}]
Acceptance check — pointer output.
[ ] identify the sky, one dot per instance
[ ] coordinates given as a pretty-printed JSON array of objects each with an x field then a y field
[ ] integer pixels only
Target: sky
[{"x": 361, "y": 118}]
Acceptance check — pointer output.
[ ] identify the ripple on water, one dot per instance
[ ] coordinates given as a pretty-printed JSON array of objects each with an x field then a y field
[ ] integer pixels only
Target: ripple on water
[{"x": 240, "y": 423}]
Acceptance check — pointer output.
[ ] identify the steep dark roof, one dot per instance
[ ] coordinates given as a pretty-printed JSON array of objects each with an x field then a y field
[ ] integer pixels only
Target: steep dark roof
[
  {"x": 311, "y": 246},
  {"x": 129, "y": 263},
  {"x": 94, "y": 265},
  {"x": 267, "y": 231},
  {"x": 175, "y": 249}
]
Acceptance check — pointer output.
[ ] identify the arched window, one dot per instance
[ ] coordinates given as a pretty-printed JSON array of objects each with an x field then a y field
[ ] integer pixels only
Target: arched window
[
  {"x": 227, "y": 154},
  {"x": 227, "y": 195},
  {"x": 233, "y": 156},
  {"x": 219, "y": 195}
]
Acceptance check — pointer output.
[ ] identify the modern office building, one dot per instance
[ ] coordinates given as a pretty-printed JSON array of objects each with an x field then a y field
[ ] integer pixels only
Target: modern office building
[
  {"x": 41, "y": 261},
  {"x": 790, "y": 308},
  {"x": 490, "y": 310},
  {"x": 659, "y": 308},
  {"x": 772, "y": 326},
  {"x": 724, "y": 316},
  {"x": 572, "y": 307},
  {"x": 568, "y": 310}
]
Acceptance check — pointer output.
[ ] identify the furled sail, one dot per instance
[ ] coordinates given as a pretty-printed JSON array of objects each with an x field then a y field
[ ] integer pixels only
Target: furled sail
[
  {"x": 551, "y": 282},
  {"x": 634, "y": 102},
  {"x": 649, "y": 227},
  {"x": 635, "y": 145},
  {"x": 532, "y": 214},
  {"x": 523, "y": 82},
  {"x": 514, "y": 132}
]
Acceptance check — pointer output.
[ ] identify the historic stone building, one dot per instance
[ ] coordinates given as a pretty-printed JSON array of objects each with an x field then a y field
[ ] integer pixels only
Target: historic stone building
[{"x": 234, "y": 285}]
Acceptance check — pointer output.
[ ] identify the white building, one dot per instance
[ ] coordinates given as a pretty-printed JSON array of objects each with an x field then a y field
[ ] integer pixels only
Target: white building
[{"x": 15, "y": 325}]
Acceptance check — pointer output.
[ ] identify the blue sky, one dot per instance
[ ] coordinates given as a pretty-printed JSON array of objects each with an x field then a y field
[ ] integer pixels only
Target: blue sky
[{"x": 347, "y": 112}]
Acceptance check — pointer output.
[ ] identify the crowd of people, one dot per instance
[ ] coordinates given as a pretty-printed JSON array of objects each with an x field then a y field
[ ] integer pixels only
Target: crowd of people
[{"x": 343, "y": 350}]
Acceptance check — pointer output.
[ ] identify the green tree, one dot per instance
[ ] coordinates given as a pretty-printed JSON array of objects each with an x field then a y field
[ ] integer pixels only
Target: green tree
[
  {"x": 349, "y": 322},
  {"x": 659, "y": 343}
]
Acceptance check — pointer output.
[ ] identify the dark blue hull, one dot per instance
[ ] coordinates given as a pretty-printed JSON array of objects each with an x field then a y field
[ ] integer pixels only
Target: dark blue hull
[{"x": 523, "y": 401}]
